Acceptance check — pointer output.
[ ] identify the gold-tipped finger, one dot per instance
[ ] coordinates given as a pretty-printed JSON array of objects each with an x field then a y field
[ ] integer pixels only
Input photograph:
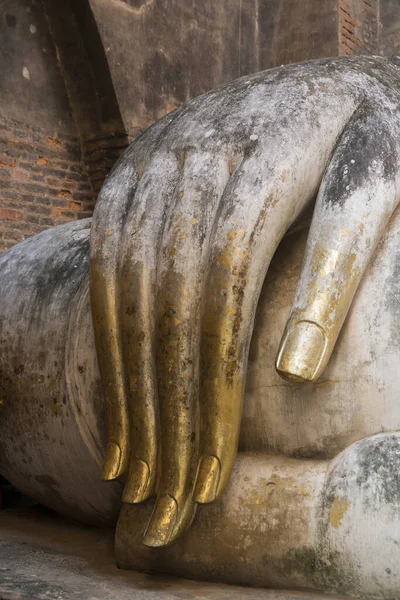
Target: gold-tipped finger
[
  {"x": 105, "y": 239},
  {"x": 112, "y": 462},
  {"x": 207, "y": 480},
  {"x": 243, "y": 244},
  {"x": 302, "y": 352},
  {"x": 312, "y": 330},
  {"x": 137, "y": 487},
  {"x": 170, "y": 519},
  {"x": 180, "y": 285},
  {"x": 162, "y": 522},
  {"x": 103, "y": 296},
  {"x": 142, "y": 237},
  {"x": 355, "y": 202},
  {"x": 137, "y": 326},
  {"x": 226, "y": 334}
]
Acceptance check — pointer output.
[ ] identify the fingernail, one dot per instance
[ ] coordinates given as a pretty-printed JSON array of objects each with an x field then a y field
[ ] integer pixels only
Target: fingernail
[
  {"x": 136, "y": 487},
  {"x": 207, "y": 480},
  {"x": 162, "y": 522},
  {"x": 301, "y": 352},
  {"x": 112, "y": 462}
]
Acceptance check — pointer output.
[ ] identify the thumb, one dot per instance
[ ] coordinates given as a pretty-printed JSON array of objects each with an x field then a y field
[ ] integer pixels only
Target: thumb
[{"x": 356, "y": 200}]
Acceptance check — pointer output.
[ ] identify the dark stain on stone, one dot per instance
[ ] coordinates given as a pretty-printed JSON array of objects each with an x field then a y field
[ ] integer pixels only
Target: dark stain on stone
[
  {"x": 366, "y": 150},
  {"x": 392, "y": 300},
  {"x": 11, "y": 20},
  {"x": 380, "y": 460},
  {"x": 325, "y": 571}
]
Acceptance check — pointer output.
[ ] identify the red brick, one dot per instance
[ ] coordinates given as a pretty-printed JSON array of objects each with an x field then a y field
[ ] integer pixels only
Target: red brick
[
  {"x": 75, "y": 205},
  {"x": 53, "y": 182},
  {"x": 7, "y": 161},
  {"x": 43, "y": 180},
  {"x": 9, "y": 214},
  {"x": 21, "y": 174},
  {"x": 54, "y": 143},
  {"x": 66, "y": 194}
]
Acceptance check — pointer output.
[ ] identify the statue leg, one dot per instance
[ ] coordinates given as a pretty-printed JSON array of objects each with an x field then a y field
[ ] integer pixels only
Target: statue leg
[{"x": 291, "y": 523}]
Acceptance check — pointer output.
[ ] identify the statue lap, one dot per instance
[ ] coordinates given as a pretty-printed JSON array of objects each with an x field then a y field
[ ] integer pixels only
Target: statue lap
[{"x": 305, "y": 490}]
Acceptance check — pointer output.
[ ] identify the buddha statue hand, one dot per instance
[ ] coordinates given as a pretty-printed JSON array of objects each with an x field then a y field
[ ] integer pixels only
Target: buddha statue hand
[{"x": 182, "y": 236}]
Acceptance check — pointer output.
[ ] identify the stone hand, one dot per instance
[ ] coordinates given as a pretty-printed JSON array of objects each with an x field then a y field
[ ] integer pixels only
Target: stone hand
[{"x": 183, "y": 233}]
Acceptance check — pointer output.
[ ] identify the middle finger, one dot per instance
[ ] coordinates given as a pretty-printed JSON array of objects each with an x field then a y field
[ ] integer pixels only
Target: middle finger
[{"x": 180, "y": 282}]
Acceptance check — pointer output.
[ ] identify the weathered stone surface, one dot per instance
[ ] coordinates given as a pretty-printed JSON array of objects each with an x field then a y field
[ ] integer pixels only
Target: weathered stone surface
[
  {"x": 162, "y": 54},
  {"x": 389, "y": 30},
  {"x": 290, "y": 31},
  {"x": 32, "y": 88},
  {"x": 203, "y": 45}
]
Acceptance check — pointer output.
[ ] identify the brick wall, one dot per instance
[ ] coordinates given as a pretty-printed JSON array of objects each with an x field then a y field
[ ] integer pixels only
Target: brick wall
[
  {"x": 100, "y": 154},
  {"x": 358, "y": 27},
  {"x": 43, "y": 182}
]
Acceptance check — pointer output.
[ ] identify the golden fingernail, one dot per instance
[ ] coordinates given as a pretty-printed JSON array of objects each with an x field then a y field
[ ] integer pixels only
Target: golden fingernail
[
  {"x": 162, "y": 522},
  {"x": 112, "y": 462},
  {"x": 207, "y": 480},
  {"x": 301, "y": 352},
  {"x": 136, "y": 487}
]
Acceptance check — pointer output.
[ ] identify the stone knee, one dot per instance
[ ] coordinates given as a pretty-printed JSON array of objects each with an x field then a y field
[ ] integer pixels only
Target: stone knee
[{"x": 359, "y": 523}]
